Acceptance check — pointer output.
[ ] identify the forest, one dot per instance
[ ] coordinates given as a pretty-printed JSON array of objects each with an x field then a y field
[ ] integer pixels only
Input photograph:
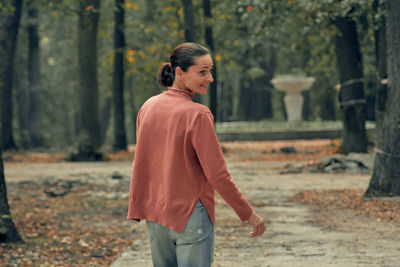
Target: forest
[
  {"x": 74, "y": 74},
  {"x": 100, "y": 58}
]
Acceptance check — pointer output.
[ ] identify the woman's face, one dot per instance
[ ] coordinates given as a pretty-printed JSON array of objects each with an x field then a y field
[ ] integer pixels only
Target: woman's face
[{"x": 198, "y": 76}]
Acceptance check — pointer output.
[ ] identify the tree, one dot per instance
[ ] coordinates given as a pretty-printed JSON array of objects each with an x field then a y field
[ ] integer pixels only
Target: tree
[
  {"x": 118, "y": 90},
  {"x": 257, "y": 58},
  {"x": 190, "y": 29},
  {"x": 210, "y": 43},
  {"x": 8, "y": 232},
  {"x": 88, "y": 122},
  {"x": 351, "y": 94},
  {"x": 189, "y": 20},
  {"x": 10, "y": 14},
  {"x": 35, "y": 103},
  {"x": 385, "y": 180},
  {"x": 381, "y": 62}
]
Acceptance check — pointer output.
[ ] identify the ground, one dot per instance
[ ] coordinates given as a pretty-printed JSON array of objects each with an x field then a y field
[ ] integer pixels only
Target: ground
[{"x": 313, "y": 219}]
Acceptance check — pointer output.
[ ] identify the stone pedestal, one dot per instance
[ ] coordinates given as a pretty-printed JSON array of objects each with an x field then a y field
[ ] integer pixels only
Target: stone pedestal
[
  {"x": 294, "y": 108},
  {"x": 293, "y": 99}
]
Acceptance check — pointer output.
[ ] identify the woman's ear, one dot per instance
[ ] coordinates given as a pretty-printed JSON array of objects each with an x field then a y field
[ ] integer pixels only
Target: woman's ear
[{"x": 178, "y": 73}]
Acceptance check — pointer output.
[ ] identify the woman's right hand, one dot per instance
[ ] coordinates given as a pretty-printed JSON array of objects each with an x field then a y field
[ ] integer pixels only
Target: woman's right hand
[{"x": 258, "y": 224}]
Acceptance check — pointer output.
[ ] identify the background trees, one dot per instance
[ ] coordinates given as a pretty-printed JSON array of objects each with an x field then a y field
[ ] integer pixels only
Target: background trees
[
  {"x": 79, "y": 73},
  {"x": 252, "y": 41}
]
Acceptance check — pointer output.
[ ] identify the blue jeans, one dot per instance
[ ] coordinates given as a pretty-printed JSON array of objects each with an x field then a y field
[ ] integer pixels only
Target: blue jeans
[{"x": 194, "y": 247}]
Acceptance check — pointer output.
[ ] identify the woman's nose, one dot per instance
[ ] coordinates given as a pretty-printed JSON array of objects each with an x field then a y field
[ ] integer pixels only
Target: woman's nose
[{"x": 210, "y": 78}]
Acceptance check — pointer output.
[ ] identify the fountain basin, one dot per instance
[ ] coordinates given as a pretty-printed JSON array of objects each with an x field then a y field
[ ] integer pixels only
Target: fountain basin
[{"x": 293, "y": 86}]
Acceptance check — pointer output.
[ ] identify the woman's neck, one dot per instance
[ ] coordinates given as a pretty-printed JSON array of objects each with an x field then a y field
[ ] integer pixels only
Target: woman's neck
[{"x": 177, "y": 86}]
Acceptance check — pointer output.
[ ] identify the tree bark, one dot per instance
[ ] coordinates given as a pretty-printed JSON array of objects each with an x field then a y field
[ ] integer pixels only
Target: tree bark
[
  {"x": 105, "y": 118},
  {"x": 88, "y": 121},
  {"x": 385, "y": 180},
  {"x": 210, "y": 43},
  {"x": 8, "y": 232},
  {"x": 118, "y": 90},
  {"x": 351, "y": 95},
  {"x": 35, "y": 103},
  {"x": 381, "y": 65},
  {"x": 10, "y": 15}
]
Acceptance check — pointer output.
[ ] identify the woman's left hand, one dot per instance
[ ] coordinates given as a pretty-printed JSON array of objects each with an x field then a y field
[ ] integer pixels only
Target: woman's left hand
[{"x": 258, "y": 224}]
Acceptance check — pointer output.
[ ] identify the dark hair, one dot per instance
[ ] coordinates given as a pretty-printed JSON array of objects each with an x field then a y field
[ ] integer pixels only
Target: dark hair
[{"x": 182, "y": 56}]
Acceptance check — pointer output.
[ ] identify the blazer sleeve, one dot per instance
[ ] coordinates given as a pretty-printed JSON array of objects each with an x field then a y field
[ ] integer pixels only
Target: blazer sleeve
[{"x": 211, "y": 158}]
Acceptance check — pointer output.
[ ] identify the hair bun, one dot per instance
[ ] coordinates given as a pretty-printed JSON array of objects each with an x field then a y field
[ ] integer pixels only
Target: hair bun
[{"x": 166, "y": 76}]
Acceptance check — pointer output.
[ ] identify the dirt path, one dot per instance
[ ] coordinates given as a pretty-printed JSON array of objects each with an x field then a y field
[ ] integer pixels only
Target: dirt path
[{"x": 293, "y": 238}]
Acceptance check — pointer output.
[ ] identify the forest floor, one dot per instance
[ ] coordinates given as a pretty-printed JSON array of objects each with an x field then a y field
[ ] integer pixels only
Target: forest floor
[{"x": 73, "y": 214}]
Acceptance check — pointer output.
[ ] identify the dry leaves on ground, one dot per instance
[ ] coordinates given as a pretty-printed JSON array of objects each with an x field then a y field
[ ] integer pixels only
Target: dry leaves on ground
[
  {"x": 285, "y": 150},
  {"x": 349, "y": 199},
  {"x": 78, "y": 229}
]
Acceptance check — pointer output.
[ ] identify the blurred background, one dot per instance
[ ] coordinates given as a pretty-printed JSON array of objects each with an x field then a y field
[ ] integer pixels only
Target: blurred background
[{"x": 80, "y": 70}]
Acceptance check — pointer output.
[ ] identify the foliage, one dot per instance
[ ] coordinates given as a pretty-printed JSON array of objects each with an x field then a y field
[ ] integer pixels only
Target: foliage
[{"x": 252, "y": 38}]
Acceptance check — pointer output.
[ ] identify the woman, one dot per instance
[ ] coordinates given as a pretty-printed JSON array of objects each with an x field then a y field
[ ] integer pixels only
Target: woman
[{"x": 178, "y": 165}]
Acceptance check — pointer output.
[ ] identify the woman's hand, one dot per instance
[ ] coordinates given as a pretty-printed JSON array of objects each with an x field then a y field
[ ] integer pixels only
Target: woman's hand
[{"x": 258, "y": 224}]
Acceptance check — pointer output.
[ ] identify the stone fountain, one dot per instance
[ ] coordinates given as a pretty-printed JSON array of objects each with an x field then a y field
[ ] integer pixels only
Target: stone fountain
[{"x": 293, "y": 99}]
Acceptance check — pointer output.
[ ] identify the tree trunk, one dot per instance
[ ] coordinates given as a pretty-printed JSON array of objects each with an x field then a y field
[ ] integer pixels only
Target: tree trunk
[
  {"x": 381, "y": 66},
  {"x": 9, "y": 24},
  {"x": 255, "y": 93},
  {"x": 22, "y": 108},
  {"x": 88, "y": 121},
  {"x": 245, "y": 95},
  {"x": 189, "y": 28},
  {"x": 351, "y": 95},
  {"x": 327, "y": 111},
  {"x": 35, "y": 103},
  {"x": 132, "y": 108},
  {"x": 8, "y": 232},
  {"x": 225, "y": 107},
  {"x": 385, "y": 180},
  {"x": 105, "y": 118},
  {"x": 118, "y": 90},
  {"x": 188, "y": 15},
  {"x": 269, "y": 67},
  {"x": 305, "y": 113},
  {"x": 210, "y": 44}
]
